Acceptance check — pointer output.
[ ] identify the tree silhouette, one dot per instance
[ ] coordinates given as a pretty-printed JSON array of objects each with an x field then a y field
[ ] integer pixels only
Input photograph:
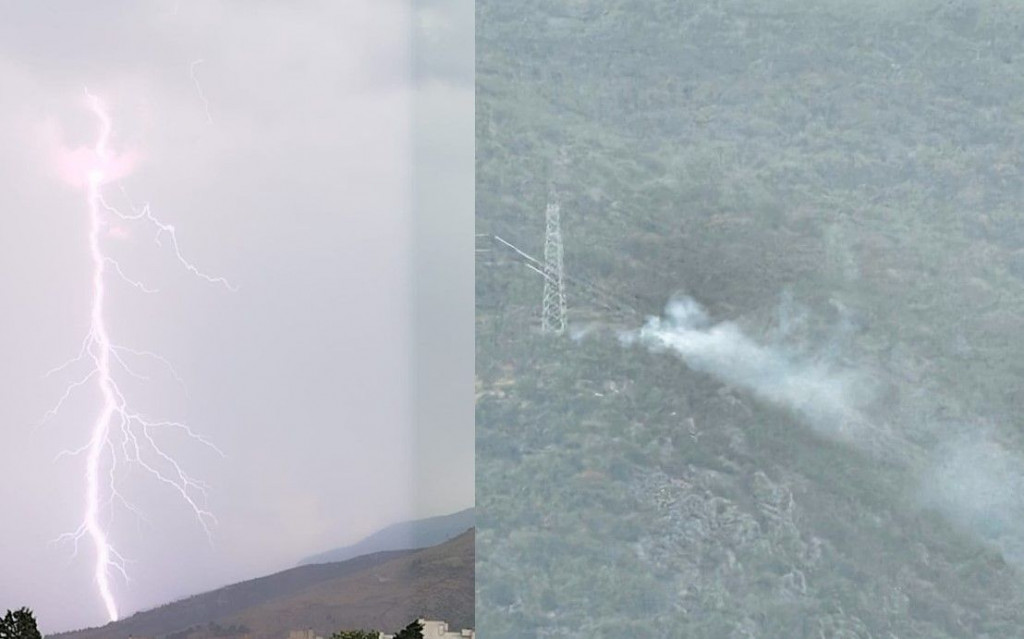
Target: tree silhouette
[
  {"x": 355, "y": 634},
  {"x": 19, "y": 624},
  {"x": 413, "y": 631}
]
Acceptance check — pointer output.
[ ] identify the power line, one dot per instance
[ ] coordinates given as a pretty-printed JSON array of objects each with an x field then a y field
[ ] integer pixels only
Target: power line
[{"x": 607, "y": 299}]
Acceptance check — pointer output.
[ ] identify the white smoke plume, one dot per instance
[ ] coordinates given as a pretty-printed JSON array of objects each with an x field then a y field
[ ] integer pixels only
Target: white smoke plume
[
  {"x": 965, "y": 473},
  {"x": 578, "y": 333},
  {"x": 978, "y": 484},
  {"x": 826, "y": 395}
]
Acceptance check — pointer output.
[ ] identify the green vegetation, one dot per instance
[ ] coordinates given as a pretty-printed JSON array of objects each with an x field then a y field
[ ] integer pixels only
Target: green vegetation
[
  {"x": 862, "y": 158},
  {"x": 211, "y": 629},
  {"x": 413, "y": 631},
  {"x": 19, "y": 624},
  {"x": 355, "y": 634}
]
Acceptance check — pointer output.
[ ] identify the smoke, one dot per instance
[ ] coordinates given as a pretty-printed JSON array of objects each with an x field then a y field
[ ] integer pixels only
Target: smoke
[
  {"x": 978, "y": 484},
  {"x": 826, "y": 395},
  {"x": 964, "y": 472},
  {"x": 578, "y": 333}
]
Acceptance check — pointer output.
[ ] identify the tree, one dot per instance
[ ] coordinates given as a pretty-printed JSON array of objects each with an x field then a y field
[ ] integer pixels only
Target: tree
[
  {"x": 413, "y": 631},
  {"x": 20, "y": 624},
  {"x": 355, "y": 634}
]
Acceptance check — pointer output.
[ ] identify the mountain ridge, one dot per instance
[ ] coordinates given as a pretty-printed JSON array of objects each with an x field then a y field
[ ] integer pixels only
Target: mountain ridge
[
  {"x": 417, "y": 533},
  {"x": 384, "y": 590}
]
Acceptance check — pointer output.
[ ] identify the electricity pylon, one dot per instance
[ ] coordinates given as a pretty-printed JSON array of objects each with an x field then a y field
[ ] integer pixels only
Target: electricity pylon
[{"x": 553, "y": 313}]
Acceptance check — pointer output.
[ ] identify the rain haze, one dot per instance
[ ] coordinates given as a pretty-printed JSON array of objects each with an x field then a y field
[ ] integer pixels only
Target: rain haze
[{"x": 280, "y": 142}]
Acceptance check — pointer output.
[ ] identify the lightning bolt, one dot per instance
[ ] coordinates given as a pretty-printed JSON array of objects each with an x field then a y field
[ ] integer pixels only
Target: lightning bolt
[
  {"x": 199, "y": 89},
  {"x": 119, "y": 432}
]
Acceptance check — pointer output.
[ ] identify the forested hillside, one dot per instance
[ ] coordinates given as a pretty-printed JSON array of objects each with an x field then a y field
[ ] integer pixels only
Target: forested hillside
[{"x": 841, "y": 181}]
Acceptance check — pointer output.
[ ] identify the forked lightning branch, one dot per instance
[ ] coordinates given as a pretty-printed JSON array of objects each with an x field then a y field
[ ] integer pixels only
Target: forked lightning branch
[{"x": 118, "y": 436}]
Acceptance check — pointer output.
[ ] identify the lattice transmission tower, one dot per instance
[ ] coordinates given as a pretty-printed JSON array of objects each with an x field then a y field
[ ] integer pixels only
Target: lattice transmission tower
[{"x": 554, "y": 309}]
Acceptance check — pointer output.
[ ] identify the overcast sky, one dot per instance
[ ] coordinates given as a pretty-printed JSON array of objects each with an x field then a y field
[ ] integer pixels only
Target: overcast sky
[{"x": 318, "y": 155}]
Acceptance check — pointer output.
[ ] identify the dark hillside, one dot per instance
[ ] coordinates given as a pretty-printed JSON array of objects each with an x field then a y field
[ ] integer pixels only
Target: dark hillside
[
  {"x": 383, "y": 591},
  {"x": 838, "y": 178}
]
